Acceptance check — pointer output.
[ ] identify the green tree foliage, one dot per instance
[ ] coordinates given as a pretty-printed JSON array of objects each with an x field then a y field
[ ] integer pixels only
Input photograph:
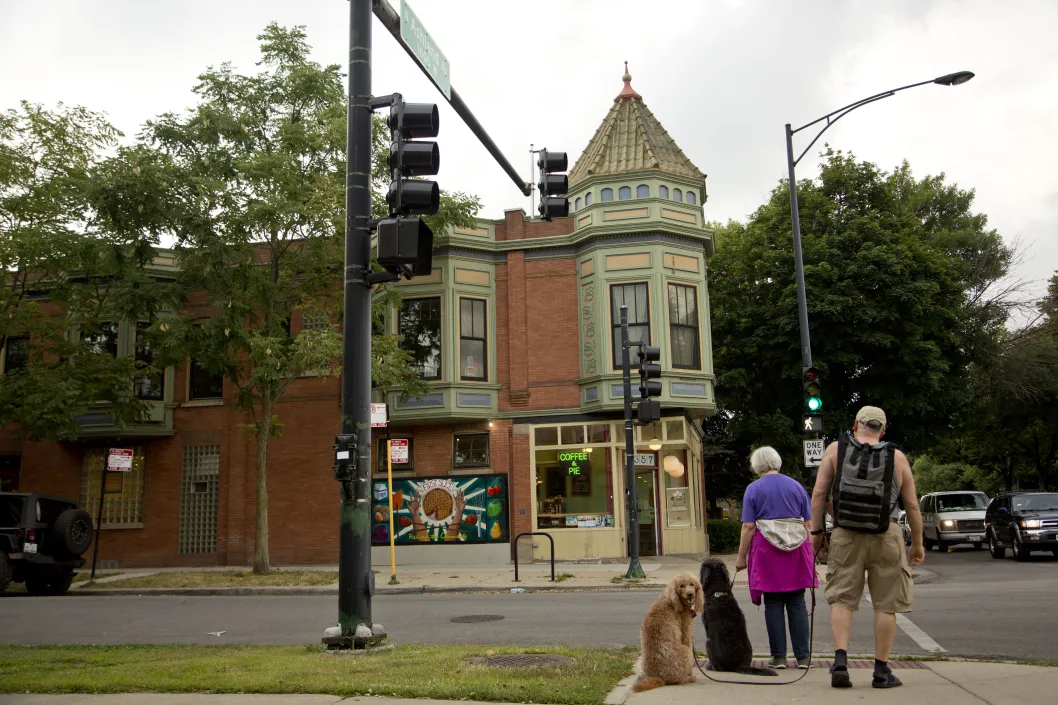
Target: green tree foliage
[
  {"x": 943, "y": 477},
  {"x": 901, "y": 281},
  {"x": 75, "y": 245},
  {"x": 258, "y": 210}
]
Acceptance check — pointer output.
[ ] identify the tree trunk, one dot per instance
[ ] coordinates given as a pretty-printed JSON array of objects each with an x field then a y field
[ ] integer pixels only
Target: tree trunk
[{"x": 261, "y": 565}]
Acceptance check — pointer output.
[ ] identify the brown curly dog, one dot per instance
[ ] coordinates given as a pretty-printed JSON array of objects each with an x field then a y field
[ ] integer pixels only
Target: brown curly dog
[{"x": 667, "y": 657}]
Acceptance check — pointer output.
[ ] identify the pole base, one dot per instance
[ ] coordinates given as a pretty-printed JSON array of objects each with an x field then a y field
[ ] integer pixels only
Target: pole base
[
  {"x": 635, "y": 571},
  {"x": 393, "y": 580},
  {"x": 342, "y": 643}
]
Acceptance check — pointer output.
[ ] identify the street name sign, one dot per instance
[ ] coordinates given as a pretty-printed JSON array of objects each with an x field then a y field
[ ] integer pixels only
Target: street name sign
[
  {"x": 425, "y": 49},
  {"x": 398, "y": 450},
  {"x": 119, "y": 460},
  {"x": 814, "y": 452}
]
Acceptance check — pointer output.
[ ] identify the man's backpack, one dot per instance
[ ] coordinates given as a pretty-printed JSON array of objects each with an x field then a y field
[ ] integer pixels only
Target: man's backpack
[{"x": 864, "y": 490}]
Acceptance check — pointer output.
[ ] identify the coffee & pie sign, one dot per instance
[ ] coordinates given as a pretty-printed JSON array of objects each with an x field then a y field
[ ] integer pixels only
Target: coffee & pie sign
[{"x": 575, "y": 463}]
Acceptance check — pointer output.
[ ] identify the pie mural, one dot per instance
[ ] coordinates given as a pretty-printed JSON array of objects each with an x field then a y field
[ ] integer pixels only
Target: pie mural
[
  {"x": 426, "y": 511},
  {"x": 438, "y": 504}
]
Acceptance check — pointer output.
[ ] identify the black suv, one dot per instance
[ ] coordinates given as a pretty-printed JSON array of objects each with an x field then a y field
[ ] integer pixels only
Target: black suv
[
  {"x": 1023, "y": 521},
  {"x": 42, "y": 538}
]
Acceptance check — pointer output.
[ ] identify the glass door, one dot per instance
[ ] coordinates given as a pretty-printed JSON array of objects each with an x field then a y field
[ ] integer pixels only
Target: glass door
[{"x": 646, "y": 498}]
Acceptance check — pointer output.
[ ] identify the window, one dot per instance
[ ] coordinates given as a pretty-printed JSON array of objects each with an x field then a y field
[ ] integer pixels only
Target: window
[
  {"x": 637, "y": 299},
  {"x": 642, "y": 191},
  {"x": 198, "y": 500},
  {"x": 102, "y": 339},
  {"x": 606, "y": 195},
  {"x": 420, "y": 330},
  {"x": 472, "y": 340},
  {"x": 683, "y": 326},
  {"x": 587, "y": 198},
  {"x": 577, "y": 206},
  {"x": 381, "y": 456},
  {"x": 16, "y": 355},
  {"x": 691, "y": 197},
  {"x": 471, "y": 451},
  {"x": 315, "y": 321},
  {"x": 624, "y": 193},
  {"x": 574, "y": 488},
  {"x": 203, "y": 383},
  {"x": 677, "y": 195},
  {"x": 663, "y": 191},
  {"x": 150, "y": 385},
  {"x": 123, "y": 493}
]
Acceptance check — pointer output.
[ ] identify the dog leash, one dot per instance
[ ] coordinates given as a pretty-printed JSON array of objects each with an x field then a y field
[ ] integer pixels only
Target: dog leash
[{"x": 811, "y": 642}]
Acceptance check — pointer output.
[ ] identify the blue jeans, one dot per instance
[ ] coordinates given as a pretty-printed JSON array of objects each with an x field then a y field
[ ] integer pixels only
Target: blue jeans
[{"x": 793, "y": 603}]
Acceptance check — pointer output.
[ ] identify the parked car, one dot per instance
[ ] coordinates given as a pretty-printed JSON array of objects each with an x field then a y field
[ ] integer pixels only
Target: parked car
[
  {"x": 950, "y": 518},
  {"x": 905, "y": 527},
  {"x": 42, "y": 539},
  {"x": 1023, "y": 522}
]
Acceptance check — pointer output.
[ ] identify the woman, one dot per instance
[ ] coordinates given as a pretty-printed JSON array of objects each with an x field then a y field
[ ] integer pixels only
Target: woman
[{"x": 776, "y": 515}]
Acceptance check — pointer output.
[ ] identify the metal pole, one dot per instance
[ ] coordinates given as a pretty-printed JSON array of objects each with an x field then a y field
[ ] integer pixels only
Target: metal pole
[
  {"x": 532, "y": 173},
  {"x": 99, "y": 516},
  {"x": 802, "y": 303},
  {"x": 635, "y": 570},
  {"x": 355, "y": 579}
]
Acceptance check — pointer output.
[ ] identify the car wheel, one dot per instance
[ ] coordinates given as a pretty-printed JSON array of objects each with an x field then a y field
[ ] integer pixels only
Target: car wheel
[
  {"x": 74, "y": 529},
  {"x": 994, "y": 548},
  {"x": 5, "y": 572},
  {"x": 942, "y": 545},
  {"x": 926, "y": 542},
  {"x": 1054, "y": 552},
  {"x": 49, "y": 583},
  {"x": 978, "y": 546},
  {"x": 1021, "y": 551}
]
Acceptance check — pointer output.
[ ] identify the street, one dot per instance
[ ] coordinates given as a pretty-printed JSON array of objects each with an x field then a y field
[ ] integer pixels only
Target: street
[{"x": 974, "y": 606}]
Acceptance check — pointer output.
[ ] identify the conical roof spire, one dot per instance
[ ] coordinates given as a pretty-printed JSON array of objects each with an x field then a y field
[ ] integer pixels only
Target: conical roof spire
[{"x": 627, "y": 93}]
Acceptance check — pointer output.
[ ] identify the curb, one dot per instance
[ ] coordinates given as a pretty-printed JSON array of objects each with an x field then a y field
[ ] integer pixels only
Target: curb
[{"x": 299, "y": 591}]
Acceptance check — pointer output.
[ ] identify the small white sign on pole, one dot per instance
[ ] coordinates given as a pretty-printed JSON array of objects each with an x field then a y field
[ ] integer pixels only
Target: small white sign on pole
[
  {"x": 379, "y": 418},
  {"x": 814, "y": 452},
  {"x": 119, "y": 460},
  {"x": 398, "y": 450}
]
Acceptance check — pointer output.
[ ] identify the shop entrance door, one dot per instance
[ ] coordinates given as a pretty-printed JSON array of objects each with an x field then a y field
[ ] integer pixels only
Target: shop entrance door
[{"x": 646, "y": 496}]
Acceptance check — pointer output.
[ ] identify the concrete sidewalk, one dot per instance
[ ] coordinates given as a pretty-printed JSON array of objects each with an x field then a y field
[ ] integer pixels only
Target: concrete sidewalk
[{"x": 937, "y": 683}]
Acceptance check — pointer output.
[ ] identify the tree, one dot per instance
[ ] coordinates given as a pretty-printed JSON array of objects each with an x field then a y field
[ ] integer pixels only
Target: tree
[
  {"x": 259, "y": 188},
  {"x": 945, "y": 477},
  {"x": 74, "y": 247},
  {"x": 900, "y": 277}
]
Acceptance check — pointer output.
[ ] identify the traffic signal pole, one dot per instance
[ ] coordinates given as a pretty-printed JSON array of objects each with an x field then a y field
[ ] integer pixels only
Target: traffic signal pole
[
  {"x": 635, "y": 570},
  {"x": 355, "y": 579}
]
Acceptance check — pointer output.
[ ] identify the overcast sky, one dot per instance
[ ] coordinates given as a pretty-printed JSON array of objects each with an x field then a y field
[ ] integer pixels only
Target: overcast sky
[{"x": 723, "y": 76}]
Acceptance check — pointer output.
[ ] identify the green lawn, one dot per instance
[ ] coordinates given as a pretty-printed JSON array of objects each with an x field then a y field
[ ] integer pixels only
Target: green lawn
[
  {"x": 222, "y": 578},
  {"x": 412, "y": 671}
]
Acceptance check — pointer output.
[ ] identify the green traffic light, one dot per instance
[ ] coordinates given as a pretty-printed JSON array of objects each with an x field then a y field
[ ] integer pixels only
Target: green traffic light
[{"x": 814, "y": 403}]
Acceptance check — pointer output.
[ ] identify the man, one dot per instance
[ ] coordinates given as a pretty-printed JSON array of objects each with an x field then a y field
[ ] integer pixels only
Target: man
[{"x": 867, "y": 539}]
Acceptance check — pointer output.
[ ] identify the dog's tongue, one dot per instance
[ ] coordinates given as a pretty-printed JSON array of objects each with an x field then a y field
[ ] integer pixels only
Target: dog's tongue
[{"x": 693, "y": 614}]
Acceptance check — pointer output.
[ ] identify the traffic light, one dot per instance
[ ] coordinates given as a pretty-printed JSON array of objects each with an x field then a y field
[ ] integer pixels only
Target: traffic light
[
  {"x": 407, "y": 158},
  {"x": 405, "y": 246},
  {"x": 553, "y": 186},
  {"x": 649, "y": 383},
  {"x": 813, "y": 398}
]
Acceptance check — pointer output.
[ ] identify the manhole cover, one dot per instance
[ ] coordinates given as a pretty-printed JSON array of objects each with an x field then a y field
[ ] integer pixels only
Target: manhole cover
[
  {"x": 521, "y": 660},
  {"x": 476, "y": 618}
]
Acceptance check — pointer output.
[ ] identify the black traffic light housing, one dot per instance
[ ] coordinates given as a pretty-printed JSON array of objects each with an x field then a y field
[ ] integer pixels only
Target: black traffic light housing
[
  {"x": 813, "y": 391},
  {"x": 649, "y": 383},
  {"x": 553, "y": 184},
  {"x": 405, "y": 246},
  {"x": 407, "y": 158},
  {"x": 345, "y": 454}
]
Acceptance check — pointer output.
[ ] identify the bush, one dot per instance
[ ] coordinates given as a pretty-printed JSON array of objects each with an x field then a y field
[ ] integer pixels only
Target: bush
[{"x": 724, "y": 535}]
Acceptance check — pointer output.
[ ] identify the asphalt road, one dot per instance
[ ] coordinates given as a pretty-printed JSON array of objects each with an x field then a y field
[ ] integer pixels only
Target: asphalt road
[{"x": 975, "y": 606}]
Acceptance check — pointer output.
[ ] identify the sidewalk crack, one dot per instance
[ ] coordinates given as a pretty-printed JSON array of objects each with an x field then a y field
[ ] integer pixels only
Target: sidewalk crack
[{"x": 963, "y": 688}]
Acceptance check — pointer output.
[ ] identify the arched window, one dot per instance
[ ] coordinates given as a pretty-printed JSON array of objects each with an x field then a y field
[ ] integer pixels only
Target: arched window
[
  {"x": 587, "y": 198},
  {"x": 624, "y": 193},
  {"x": 690, "y": 197},
  {"x": 577, "y": 206},
  {"x": 663, "y": 191},
  {"x": 606, "y": 195},
  {"x": 677, "y": 195},
  {"x": 642, "y": 191}
]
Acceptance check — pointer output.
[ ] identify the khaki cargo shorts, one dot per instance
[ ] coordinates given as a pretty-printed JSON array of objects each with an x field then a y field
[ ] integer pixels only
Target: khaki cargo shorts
[{"x": 882, "y": 558}]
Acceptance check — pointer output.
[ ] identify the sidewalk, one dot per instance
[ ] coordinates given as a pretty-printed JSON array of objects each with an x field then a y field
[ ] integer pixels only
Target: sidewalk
[{"x": 937, "y": 683}]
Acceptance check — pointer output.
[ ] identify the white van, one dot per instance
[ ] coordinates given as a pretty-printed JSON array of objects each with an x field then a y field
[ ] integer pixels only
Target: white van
[{"x": 950, "y": 518}]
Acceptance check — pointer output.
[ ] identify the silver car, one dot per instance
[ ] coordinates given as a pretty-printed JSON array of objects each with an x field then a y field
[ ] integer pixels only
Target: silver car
[{"x": 950, "y": 518}]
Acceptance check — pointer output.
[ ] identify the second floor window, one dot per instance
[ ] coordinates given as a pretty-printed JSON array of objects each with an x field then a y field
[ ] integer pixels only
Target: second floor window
[
  {"x": 203, "y": 384},
  {"x": 420, "y": 330},
  {"x": 683, "y": 326},
  {"x": 150, "y": 384},
  {"x": 103, "y": 339},
  {"x": 472, "y": 340},
  {"x": 637, "y": 299},
  {"x": 16, "y": 355}
]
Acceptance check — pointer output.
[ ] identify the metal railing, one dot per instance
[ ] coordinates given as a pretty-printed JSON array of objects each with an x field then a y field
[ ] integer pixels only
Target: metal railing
[{"x": 534, "y": 533}]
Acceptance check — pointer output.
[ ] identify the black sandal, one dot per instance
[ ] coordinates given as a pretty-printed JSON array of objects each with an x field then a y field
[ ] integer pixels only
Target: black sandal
[
  {"x": 839, "y": 677},
  {"x": 885, "y": 679}
]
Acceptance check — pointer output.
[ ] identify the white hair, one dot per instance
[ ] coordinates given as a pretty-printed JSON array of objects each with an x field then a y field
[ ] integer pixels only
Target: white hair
[{"x": 765, "y": 459}]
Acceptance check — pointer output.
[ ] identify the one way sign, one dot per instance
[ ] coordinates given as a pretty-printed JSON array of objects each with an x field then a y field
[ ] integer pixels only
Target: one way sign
[{"x": 814, "y": 452}]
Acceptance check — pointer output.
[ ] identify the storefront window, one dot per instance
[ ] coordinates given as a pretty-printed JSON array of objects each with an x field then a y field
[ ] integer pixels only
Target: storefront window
[
  {"x": 574, "y": 488},
  {"x": 546, "y": 436},
  {"x": 572, "y": 435}
]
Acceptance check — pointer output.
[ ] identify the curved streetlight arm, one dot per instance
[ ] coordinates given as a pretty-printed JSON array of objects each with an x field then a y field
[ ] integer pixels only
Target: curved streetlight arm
[{"x": 836, "y": 115}]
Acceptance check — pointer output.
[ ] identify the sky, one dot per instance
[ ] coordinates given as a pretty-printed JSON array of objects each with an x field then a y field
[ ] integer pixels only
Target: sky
[{"x": 722, "y": 76}]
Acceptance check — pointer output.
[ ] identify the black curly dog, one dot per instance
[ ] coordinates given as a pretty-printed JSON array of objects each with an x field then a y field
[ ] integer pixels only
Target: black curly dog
[{"x": 726, "y": 640}]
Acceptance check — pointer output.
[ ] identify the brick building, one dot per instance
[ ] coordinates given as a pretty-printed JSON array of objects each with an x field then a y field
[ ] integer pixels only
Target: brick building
[{"x": 521, "y": 428}]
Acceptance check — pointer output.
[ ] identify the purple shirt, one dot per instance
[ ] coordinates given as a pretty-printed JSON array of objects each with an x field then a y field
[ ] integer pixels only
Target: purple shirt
[{"x": 775, "y": 497}]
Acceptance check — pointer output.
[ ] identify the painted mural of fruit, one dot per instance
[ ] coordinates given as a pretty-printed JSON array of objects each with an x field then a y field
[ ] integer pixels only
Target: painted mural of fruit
[
  {"x": 496, "y": 532},
  {"x": 381, "y": 532},
  {"x": 471, "y": 519},
  {"x": 405, "y": 521},
  {"x": 495, "y": 508},
  {"x": 398, "y": 499}
]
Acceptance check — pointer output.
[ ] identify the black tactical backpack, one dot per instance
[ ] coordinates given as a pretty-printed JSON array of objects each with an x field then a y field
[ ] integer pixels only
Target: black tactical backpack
[{"x": 863, "y": 486}]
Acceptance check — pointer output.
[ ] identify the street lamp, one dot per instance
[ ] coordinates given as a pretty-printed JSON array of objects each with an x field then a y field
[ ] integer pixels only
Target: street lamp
[{"x": 952, "y": 79}]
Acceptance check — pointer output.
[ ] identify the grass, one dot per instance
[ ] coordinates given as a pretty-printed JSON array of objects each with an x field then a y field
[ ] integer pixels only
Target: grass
[
  {"x": 411, "y": 671},
  {"x": 223, "y": 578},
  {"x": 563, "y": 577}
]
